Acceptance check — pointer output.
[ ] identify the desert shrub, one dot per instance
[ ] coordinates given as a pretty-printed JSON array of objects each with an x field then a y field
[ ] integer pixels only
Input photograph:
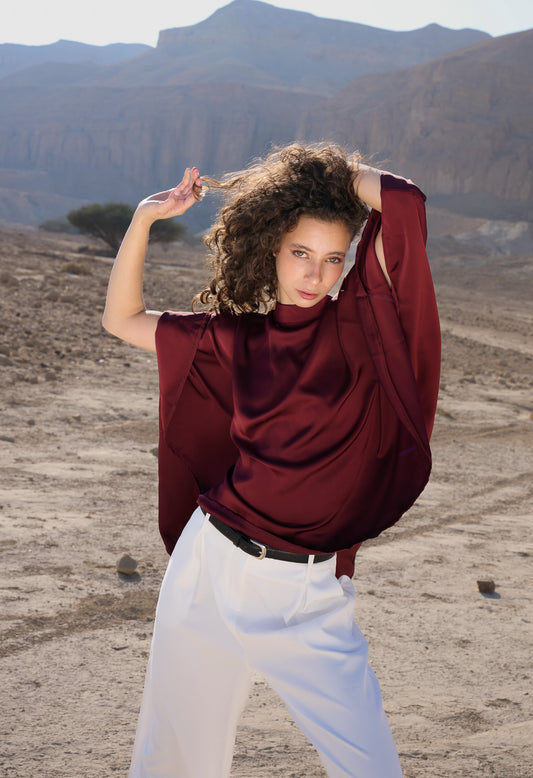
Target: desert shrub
[{"x": 110, "y": 221}]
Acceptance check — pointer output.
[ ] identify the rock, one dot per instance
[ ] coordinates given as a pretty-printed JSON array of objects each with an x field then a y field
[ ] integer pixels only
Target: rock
[
  {"x": 8, "y": 278},
  {"x": 486, "y": 586},
  {"x": 126, "y": 565}
]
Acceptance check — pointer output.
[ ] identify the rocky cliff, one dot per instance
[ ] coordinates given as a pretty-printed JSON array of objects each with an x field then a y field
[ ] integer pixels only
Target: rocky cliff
[
  {"x": 104, "y": 144},
  {"x": 462, "y": 125}
]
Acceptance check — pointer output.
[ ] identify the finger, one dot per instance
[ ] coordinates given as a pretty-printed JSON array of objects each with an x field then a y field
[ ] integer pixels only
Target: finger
[
  {"x": 197, "y": 183},
  {"x": 187, "y": 181},
  {"x": 182, "y": 187},
  {"x": 188, "y": 177},
  {"x": 197, "y": 179},
  {"x": 184, "y": 181}
]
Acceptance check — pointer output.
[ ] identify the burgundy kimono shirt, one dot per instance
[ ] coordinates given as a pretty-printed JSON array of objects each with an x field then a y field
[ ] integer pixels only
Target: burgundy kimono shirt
[{"x": 308, "y": 428}]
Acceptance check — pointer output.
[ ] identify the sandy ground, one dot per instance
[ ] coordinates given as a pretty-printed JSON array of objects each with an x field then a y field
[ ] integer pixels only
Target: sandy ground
[{"x": 78, "y": 488}]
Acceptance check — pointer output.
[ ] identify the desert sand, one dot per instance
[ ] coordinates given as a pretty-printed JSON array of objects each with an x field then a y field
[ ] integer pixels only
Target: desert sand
[{"x": 78, "y": 489}]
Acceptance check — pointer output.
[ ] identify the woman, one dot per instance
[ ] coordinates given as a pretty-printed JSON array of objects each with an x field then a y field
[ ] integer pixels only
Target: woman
[{"x": 293, "y": 426}]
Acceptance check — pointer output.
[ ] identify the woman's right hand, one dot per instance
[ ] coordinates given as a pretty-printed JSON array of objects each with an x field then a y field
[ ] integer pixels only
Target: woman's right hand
[{"x": 173, "y": 202}]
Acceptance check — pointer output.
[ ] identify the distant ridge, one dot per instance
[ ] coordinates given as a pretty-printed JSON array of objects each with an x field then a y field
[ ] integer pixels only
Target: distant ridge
[
  {"x": 299, "y": 50},
  {"x": 221, "y": 92},
  {"x": 15, "y": 57},
  {"x": 254, "y": 43}
]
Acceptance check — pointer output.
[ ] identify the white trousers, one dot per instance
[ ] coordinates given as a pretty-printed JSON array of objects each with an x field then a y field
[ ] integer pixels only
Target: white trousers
[{"x": 222, "y": 614}]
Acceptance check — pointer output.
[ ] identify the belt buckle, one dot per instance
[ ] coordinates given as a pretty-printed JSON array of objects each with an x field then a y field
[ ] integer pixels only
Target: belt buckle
[{"x": 262, "y": 555}]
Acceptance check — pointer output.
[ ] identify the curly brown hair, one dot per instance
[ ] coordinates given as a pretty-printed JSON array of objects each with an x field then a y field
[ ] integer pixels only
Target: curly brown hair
[{"x": 261, "y": 204}]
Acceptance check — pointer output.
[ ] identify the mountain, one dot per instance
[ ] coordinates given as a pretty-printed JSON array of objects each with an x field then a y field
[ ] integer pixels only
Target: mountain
[
  {"x": 221, "y": 92},
  {"x": 15, "y": 57},
  {"x": 246, "y": 42},
  {"x": 255, "y": 43},
  {"x": 462, "y": 125}
]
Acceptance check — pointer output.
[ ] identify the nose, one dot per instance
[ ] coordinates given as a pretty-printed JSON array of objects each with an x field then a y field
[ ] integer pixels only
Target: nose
[{"x": 313, "y": 273}]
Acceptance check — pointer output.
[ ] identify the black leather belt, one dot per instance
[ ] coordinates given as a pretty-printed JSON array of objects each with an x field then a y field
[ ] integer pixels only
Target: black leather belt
[{"x": 258, "y": 550}]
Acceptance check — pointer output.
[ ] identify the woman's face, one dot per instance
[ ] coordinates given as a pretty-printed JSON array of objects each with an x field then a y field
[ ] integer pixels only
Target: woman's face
[{"x": 310, "y": 260}]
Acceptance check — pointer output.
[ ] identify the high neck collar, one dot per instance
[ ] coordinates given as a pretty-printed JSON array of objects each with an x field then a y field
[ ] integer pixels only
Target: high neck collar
[{"x": 296, "y": 315}]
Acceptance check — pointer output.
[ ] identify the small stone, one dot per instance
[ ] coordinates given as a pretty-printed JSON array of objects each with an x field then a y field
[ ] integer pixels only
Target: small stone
[
  {"x": 126, "y": 565},
  {"x": 486, "y": 586},
  {"x": 8, "y": 278}
]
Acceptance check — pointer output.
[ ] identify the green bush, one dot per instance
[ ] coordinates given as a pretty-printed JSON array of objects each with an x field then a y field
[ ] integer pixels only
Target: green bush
[{"x": 110, "y": 221}]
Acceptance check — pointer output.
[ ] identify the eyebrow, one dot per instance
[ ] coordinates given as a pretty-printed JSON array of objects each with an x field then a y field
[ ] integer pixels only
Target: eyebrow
[{"x": 306, "y": 248}]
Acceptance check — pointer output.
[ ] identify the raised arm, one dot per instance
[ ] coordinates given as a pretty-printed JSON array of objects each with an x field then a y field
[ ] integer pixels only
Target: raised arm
[
  {"x": 367, "y": 187},
  {"x": 125, "y": 314}
]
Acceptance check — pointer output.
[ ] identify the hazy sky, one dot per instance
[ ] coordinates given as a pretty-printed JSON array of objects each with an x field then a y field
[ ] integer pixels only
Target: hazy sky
[{"x": 100, "y": 22}]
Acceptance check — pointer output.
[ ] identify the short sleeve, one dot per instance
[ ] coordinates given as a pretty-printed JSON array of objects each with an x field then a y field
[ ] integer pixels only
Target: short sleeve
[
  {"x": 177, "y": 338},
  {"x": 195, "y": 447}
]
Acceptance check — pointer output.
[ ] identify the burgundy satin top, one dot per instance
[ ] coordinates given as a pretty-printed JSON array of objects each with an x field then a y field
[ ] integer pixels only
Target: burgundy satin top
[{"x": 307, "y": 429}]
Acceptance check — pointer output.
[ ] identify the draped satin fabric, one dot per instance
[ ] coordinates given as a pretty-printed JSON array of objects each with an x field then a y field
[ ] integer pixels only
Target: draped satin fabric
[{"x": 307, "y": 428}]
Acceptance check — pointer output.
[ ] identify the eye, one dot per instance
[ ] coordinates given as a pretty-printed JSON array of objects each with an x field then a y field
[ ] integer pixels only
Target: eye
[
  {"x": 299, "y": 253},
  {"x": 335, "y": 260}
]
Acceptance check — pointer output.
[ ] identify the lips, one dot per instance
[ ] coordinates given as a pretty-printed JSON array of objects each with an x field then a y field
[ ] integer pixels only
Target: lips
[{"x": 307, "y": 295}]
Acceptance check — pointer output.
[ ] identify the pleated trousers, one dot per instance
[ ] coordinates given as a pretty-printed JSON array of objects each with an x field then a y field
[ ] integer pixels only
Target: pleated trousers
[{"x": 221, "y": 615}]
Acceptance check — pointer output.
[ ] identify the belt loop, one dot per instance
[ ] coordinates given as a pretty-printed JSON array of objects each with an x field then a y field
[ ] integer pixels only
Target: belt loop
[{"x": 309, "y": 569}]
